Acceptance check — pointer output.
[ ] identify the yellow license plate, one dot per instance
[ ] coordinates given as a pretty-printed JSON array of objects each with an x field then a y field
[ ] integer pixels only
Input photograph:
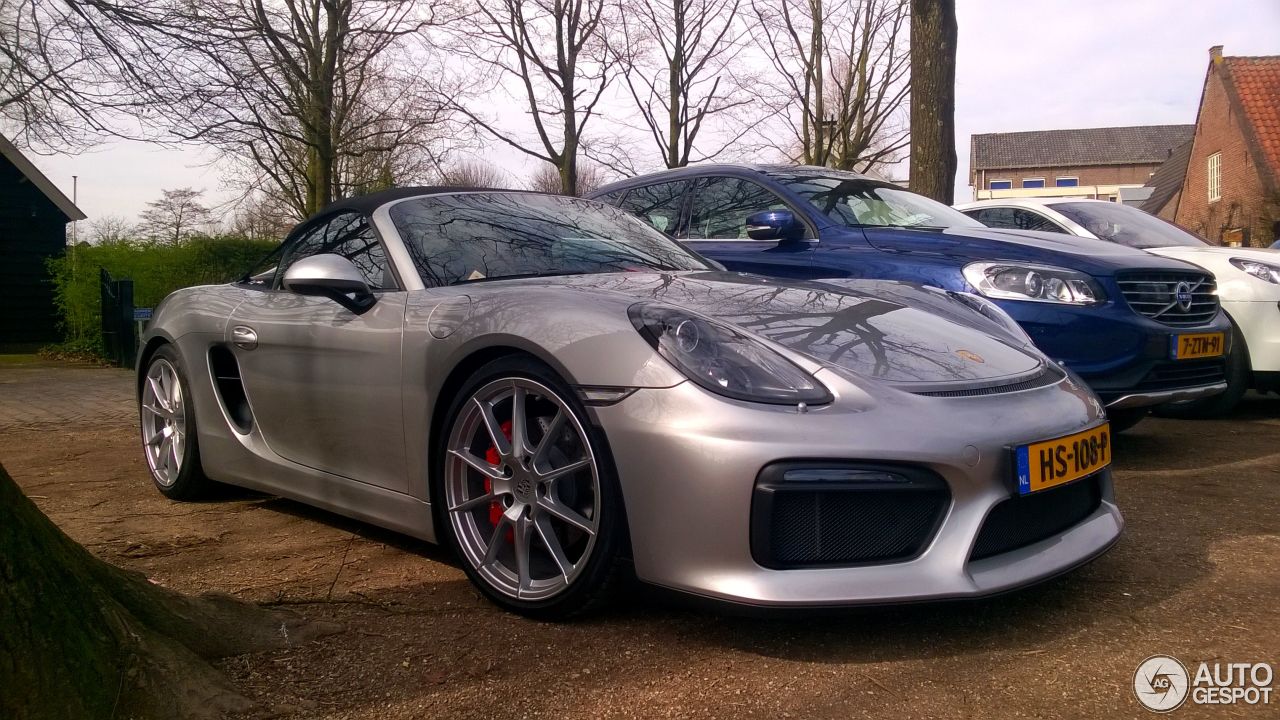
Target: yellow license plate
[
  {"x": 1199, "y": 345},
  {"x": 1049, "y": 463}
]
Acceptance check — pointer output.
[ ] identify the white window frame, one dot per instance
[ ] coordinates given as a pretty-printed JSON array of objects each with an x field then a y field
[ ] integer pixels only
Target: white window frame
[
  {"x": 1033, "y": 179},
  {"x": 1215, "y": 177},
  {"x": 1067, "y": 177},
  {"x": 998, "y": 180}
]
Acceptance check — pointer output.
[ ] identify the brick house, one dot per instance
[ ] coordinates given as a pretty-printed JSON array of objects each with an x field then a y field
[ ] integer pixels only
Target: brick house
[
  {"x": 1230, "y": 193},
  {"x": 1081, "y": 162}
]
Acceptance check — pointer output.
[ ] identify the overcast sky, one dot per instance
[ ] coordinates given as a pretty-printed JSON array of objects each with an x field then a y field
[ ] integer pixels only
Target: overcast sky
[{"x": 1023, "y": 65}]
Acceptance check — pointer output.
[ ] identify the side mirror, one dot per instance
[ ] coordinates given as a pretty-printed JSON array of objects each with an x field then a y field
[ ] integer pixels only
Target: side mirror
[
  {"x": 331, "y": 276},
  {"x": 774, "y": 225}
]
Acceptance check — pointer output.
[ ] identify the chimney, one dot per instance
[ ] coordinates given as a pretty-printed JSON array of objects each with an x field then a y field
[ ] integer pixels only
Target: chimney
[{"x": 1215, "y": 54}]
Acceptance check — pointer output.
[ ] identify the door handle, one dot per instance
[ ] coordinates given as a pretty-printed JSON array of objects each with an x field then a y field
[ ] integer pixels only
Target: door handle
[{"x": 244, "y": 337}]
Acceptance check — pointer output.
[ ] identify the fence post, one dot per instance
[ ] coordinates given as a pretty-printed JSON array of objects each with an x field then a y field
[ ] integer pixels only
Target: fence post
[{"x": 119, "y": 341}]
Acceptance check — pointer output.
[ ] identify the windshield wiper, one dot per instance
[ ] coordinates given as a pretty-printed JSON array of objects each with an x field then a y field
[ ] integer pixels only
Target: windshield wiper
[
  {"x": 518, "y": 276},
  {"x": 900, "y": 227}
]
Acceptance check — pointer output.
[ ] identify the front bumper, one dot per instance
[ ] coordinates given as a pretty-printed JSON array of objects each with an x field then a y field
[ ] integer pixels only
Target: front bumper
[
  {"x": 688, "y": 463},
  {"x": 1123, "y": 356},
  {"x": 1259, "y": 323}
]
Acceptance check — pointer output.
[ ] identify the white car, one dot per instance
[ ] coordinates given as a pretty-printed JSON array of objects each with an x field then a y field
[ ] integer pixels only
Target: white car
[{"x": 1248, "y": 278}]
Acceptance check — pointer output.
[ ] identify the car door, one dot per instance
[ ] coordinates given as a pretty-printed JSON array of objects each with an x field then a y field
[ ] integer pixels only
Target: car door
[
  {"x": 717, "y": 228},
  {"x": 661, "y": 205},
  {"x": 324, "y": 382}
]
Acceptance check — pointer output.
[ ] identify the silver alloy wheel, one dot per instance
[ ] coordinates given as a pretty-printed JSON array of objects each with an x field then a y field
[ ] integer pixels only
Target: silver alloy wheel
[
  {"x": 528, "y": 522},
  {"x": 164, "y": 421}
]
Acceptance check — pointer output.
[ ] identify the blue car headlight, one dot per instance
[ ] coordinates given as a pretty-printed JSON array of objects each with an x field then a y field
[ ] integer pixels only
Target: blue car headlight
[
  {"x": 724, "y": 360},
  {"x": 1036, "y": 283},
  {"x": 1260, "y": 270}
]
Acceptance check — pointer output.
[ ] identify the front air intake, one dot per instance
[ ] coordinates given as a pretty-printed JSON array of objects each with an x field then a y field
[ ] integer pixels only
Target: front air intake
[{"x": 813, "y": 514}]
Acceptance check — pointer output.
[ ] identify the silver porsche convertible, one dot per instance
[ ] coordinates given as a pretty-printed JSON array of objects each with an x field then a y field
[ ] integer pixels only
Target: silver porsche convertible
[{"x": 562, "y": 395}]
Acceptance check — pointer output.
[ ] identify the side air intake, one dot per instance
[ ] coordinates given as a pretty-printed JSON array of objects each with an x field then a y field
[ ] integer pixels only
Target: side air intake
[{"x": 226, "y": 379}]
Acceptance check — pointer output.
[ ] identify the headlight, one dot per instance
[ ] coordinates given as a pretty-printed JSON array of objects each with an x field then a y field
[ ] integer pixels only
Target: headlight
[
  {"x": 1260, "y": 270},
  {"x": 992, "y": 312},
  {"x": 723, "y": 360},
  {"x": 1038, "y": 283}
]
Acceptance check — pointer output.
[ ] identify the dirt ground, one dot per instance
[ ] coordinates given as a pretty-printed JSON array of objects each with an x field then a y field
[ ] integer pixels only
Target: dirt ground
[{"x": 1197, "y": 576}]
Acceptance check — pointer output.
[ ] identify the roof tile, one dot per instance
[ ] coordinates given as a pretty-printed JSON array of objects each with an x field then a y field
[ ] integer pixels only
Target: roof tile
[
  {"x": 1257, "y": 84},
  {"x": 1083, "y": 146}
]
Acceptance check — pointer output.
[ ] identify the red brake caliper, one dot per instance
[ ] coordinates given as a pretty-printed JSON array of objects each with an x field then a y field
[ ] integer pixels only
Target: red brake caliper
[{"x": 492, "y": 457}]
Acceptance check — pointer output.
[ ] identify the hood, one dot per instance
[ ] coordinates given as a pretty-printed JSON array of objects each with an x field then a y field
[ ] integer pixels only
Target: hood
[
  {"x": 971, "y": 244},
  {"x": 893, "y": 332},
  {"x": 1191, "y": 252}
]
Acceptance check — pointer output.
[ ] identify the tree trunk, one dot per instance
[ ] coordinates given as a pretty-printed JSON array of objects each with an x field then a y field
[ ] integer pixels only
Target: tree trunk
[
  {"x": 84, "y": 639},
  {"x": 933, "y": 99}
]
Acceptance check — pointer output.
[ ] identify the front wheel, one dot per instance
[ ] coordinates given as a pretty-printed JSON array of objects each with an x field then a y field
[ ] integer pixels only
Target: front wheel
[
  {"x": 529, "y": 499},
  {"x": 169, "y": 429}
]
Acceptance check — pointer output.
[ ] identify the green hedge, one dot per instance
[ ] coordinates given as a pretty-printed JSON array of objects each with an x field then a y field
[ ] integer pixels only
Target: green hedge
[{"x": 156, "y": 271}]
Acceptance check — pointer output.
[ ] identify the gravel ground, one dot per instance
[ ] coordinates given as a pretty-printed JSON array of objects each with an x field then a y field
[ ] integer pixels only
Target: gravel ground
[{"x": 1196, "y": 576}]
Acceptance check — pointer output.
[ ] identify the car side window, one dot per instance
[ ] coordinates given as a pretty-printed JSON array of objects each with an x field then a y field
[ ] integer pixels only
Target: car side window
[
  {"x": 614, "y": 198},
  {"x": 348, "y": 235},
  {"x": 658, "y": 205},
  {"x": 721, "y": 206},
  {"x": 1017, "y": 219}
]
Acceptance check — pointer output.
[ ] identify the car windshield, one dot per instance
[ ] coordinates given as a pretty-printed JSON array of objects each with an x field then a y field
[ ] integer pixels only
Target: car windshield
[
  {"x": 480, "y": 236},
  {"x": 1126, "y": 225},
  {"x": 859, "y": 202}
]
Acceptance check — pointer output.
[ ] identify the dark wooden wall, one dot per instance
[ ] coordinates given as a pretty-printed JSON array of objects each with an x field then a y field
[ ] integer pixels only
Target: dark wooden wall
[{"x": 32, "y": 229}]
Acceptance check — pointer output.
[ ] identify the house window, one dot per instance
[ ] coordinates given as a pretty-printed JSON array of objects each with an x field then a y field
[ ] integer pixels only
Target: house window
[
  {"x": 1000, "y": 185},
  {"x": 1215, "y": 177},
  {"x": 1067, "y": 182},
  {"x": 1032, "y": 182}
]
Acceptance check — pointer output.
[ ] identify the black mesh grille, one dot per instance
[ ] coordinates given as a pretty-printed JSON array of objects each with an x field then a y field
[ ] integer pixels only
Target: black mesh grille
[
  {"x": 808, "y": 525},
  {"x": 1025, "y": 519},
  {"x": 1184, "y": 374},
  {"x": 1046, "y": 377},
  {"x": 1155, "y": 295}
]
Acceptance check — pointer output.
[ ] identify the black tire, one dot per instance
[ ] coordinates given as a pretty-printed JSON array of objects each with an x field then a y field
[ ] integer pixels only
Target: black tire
[
  {"x": 591, "y": 587},
  {"x": 1239, "y": 375},
  {"x": 1125, "y": 418},
  {"x": 190, "y": 482}
]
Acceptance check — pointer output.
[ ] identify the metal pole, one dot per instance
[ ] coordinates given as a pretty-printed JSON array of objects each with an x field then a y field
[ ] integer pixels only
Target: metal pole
[{"x": 75, "y": 198}]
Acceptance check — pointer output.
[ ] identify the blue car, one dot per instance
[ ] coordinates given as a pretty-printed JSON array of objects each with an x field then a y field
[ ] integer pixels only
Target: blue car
[{"x": 1141, "y": 330}]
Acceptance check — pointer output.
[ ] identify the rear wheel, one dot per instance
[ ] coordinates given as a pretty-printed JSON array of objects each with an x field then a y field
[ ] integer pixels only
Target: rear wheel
[
  {"x": 527, "y": 493},
  {"x": 169, "y": 428},
  {"x": 1125, "y": 418}
]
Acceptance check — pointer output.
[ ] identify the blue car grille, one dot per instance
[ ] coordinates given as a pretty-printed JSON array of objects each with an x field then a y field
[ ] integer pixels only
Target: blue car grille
[
  {"x": 1184, "y": 374},
  {"x": 1180, "y": 299}
]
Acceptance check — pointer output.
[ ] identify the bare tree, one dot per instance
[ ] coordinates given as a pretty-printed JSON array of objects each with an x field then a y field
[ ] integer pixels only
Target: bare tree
[
  {"x": 175, "y": 217},
  {"x": 556, "y": 54},
  {"x": 473, "y": 173},
  {"x": 313, "y": 100},
  {"x": 260, "y": 216},
  {"x": 60, "y": 73},
  {"x": 933, "y": 98},
  {"x": 841, "y": 79},
  {"x": 110, "y": 229},
  {"x": 547, "y": 179},
  {"x": 677, "y": 60}
]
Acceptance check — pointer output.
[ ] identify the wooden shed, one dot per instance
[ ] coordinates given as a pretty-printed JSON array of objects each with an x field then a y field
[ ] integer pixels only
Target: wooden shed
[{"x": 33, "y": 228}]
